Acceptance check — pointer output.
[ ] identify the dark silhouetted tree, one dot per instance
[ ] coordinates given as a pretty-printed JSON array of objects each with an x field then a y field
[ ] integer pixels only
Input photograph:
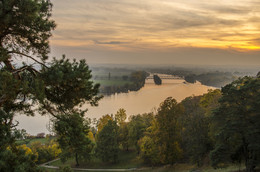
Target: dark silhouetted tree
[{"x": 157, "y": 80}]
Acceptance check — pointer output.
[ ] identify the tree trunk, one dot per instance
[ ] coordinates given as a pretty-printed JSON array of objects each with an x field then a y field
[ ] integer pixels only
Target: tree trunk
[
  {"x": 250, "y": 167},
  {"x": 77, "y": 161}
]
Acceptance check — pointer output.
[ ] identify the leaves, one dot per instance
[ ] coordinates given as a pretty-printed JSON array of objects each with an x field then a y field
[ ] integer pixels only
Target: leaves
[
  {"x": 169, "y": 128},
  {"x": 68, "y": 85},
  {"x": 26, "y": 27},
  {"x": 72, "y": 136},
  {"x": 107, "y": 142},
  {"x": 237, "y": 122}
]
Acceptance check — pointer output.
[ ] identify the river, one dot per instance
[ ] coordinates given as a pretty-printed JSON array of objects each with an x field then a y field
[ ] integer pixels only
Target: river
[{"x": 147, "y": 99}]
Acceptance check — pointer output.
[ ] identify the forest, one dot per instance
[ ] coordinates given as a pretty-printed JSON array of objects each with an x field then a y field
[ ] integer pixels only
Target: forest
[{"x": 204, "y": 130}]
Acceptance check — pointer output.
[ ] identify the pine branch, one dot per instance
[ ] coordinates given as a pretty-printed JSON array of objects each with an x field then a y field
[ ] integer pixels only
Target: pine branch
[
  {"x": 28, "y": 68},
  {"x": 22, "y": 54}
]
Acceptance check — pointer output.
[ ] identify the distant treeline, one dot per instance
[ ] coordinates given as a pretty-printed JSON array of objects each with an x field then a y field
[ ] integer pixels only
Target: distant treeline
[
  {"x": 213, "y": 78},
  {"x": 216, "y": 79},
  {"x": 137, "y": 81}
]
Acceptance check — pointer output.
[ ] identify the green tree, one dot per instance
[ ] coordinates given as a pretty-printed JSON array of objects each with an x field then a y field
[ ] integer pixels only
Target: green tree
[
  {"x": 107, "y": 142},
  {"x": 196, "y": 141},
  {"x": 24, "y": 32},
  {"x": 58, "y": 88},
  {"x": 137, "y": 127},
  {"x": 45, "y": 152},
  {"x": 103, "y": 121},
  {"x": 168, "y": 131},
  {"x": 18, "y": 158},
  {"x": 120, "y": 116},
  {"x": 72, "y": 136},
  {"x": 67, "y": 87},
  {"x": 25, "y": 29},
  {"x": 123, "y": 136},
  {"x": 209, "y": 101},
  {"x": 237, "y": 123},
  {"x": 13, "y": 157},
  {"x": 149, "y": 150}
]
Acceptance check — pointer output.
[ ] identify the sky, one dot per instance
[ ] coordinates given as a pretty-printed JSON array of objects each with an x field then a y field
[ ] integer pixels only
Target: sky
[{"x": 204, "y": 32}]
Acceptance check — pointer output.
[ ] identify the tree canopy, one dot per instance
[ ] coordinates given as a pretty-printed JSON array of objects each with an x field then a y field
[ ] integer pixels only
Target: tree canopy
[
  {"x": 25, "y": 29},
  {"x": 30, "y": 83},
  {"x": 157, "y": 80},
  {"x": 169, "y": 128},
  {"x": 72, "y": 137},
  {"x": 237, "y": 122},
  {"x": 107, "y": 142}
]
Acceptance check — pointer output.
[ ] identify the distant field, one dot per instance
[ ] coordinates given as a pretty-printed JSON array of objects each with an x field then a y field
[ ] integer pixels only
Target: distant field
[
  {"x": 28, "y": 142},
  {"x": 112, "y": 82},
  {"x": 111, "y": 76},
  {"x": 118, "y": 80},
  {"x": 112, "y": 71}
]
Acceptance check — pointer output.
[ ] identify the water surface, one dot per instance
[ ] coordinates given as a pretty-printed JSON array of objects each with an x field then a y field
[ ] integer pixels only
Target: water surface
[{"x": 147, "y": 99}]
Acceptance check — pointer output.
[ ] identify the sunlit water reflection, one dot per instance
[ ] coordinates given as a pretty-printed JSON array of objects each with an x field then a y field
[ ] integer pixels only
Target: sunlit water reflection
[{"x": 145, "y": 100}]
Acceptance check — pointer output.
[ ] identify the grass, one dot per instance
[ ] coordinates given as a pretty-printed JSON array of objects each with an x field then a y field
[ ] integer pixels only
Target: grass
[
  {"x": 28, "y": 142},
  {"x": 227, "y": 169},
  {"x": 193, "y": 168},
  {"x": 167, "y": 168},
  {"x": 128, "y": 159}
]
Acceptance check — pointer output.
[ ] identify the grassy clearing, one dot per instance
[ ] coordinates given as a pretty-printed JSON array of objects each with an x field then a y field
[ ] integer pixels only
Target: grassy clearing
[
  {"x": 28, "y": 142},
  {"x": 127, "y": 159}
]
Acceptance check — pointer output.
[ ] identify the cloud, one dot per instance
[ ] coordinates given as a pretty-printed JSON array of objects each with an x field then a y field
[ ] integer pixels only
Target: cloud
[
  {"x": 140, "y": 26},
  {"x": 255, "y": 41},
  {"x": 110, "y": 42}
]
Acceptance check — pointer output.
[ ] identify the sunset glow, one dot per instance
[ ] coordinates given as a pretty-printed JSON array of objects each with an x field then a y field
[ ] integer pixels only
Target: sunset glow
[{"x": 153, "y": 25}]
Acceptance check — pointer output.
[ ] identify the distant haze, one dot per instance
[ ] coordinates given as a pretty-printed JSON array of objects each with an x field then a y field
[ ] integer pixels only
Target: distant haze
[{"x": 158, "y": 31}]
